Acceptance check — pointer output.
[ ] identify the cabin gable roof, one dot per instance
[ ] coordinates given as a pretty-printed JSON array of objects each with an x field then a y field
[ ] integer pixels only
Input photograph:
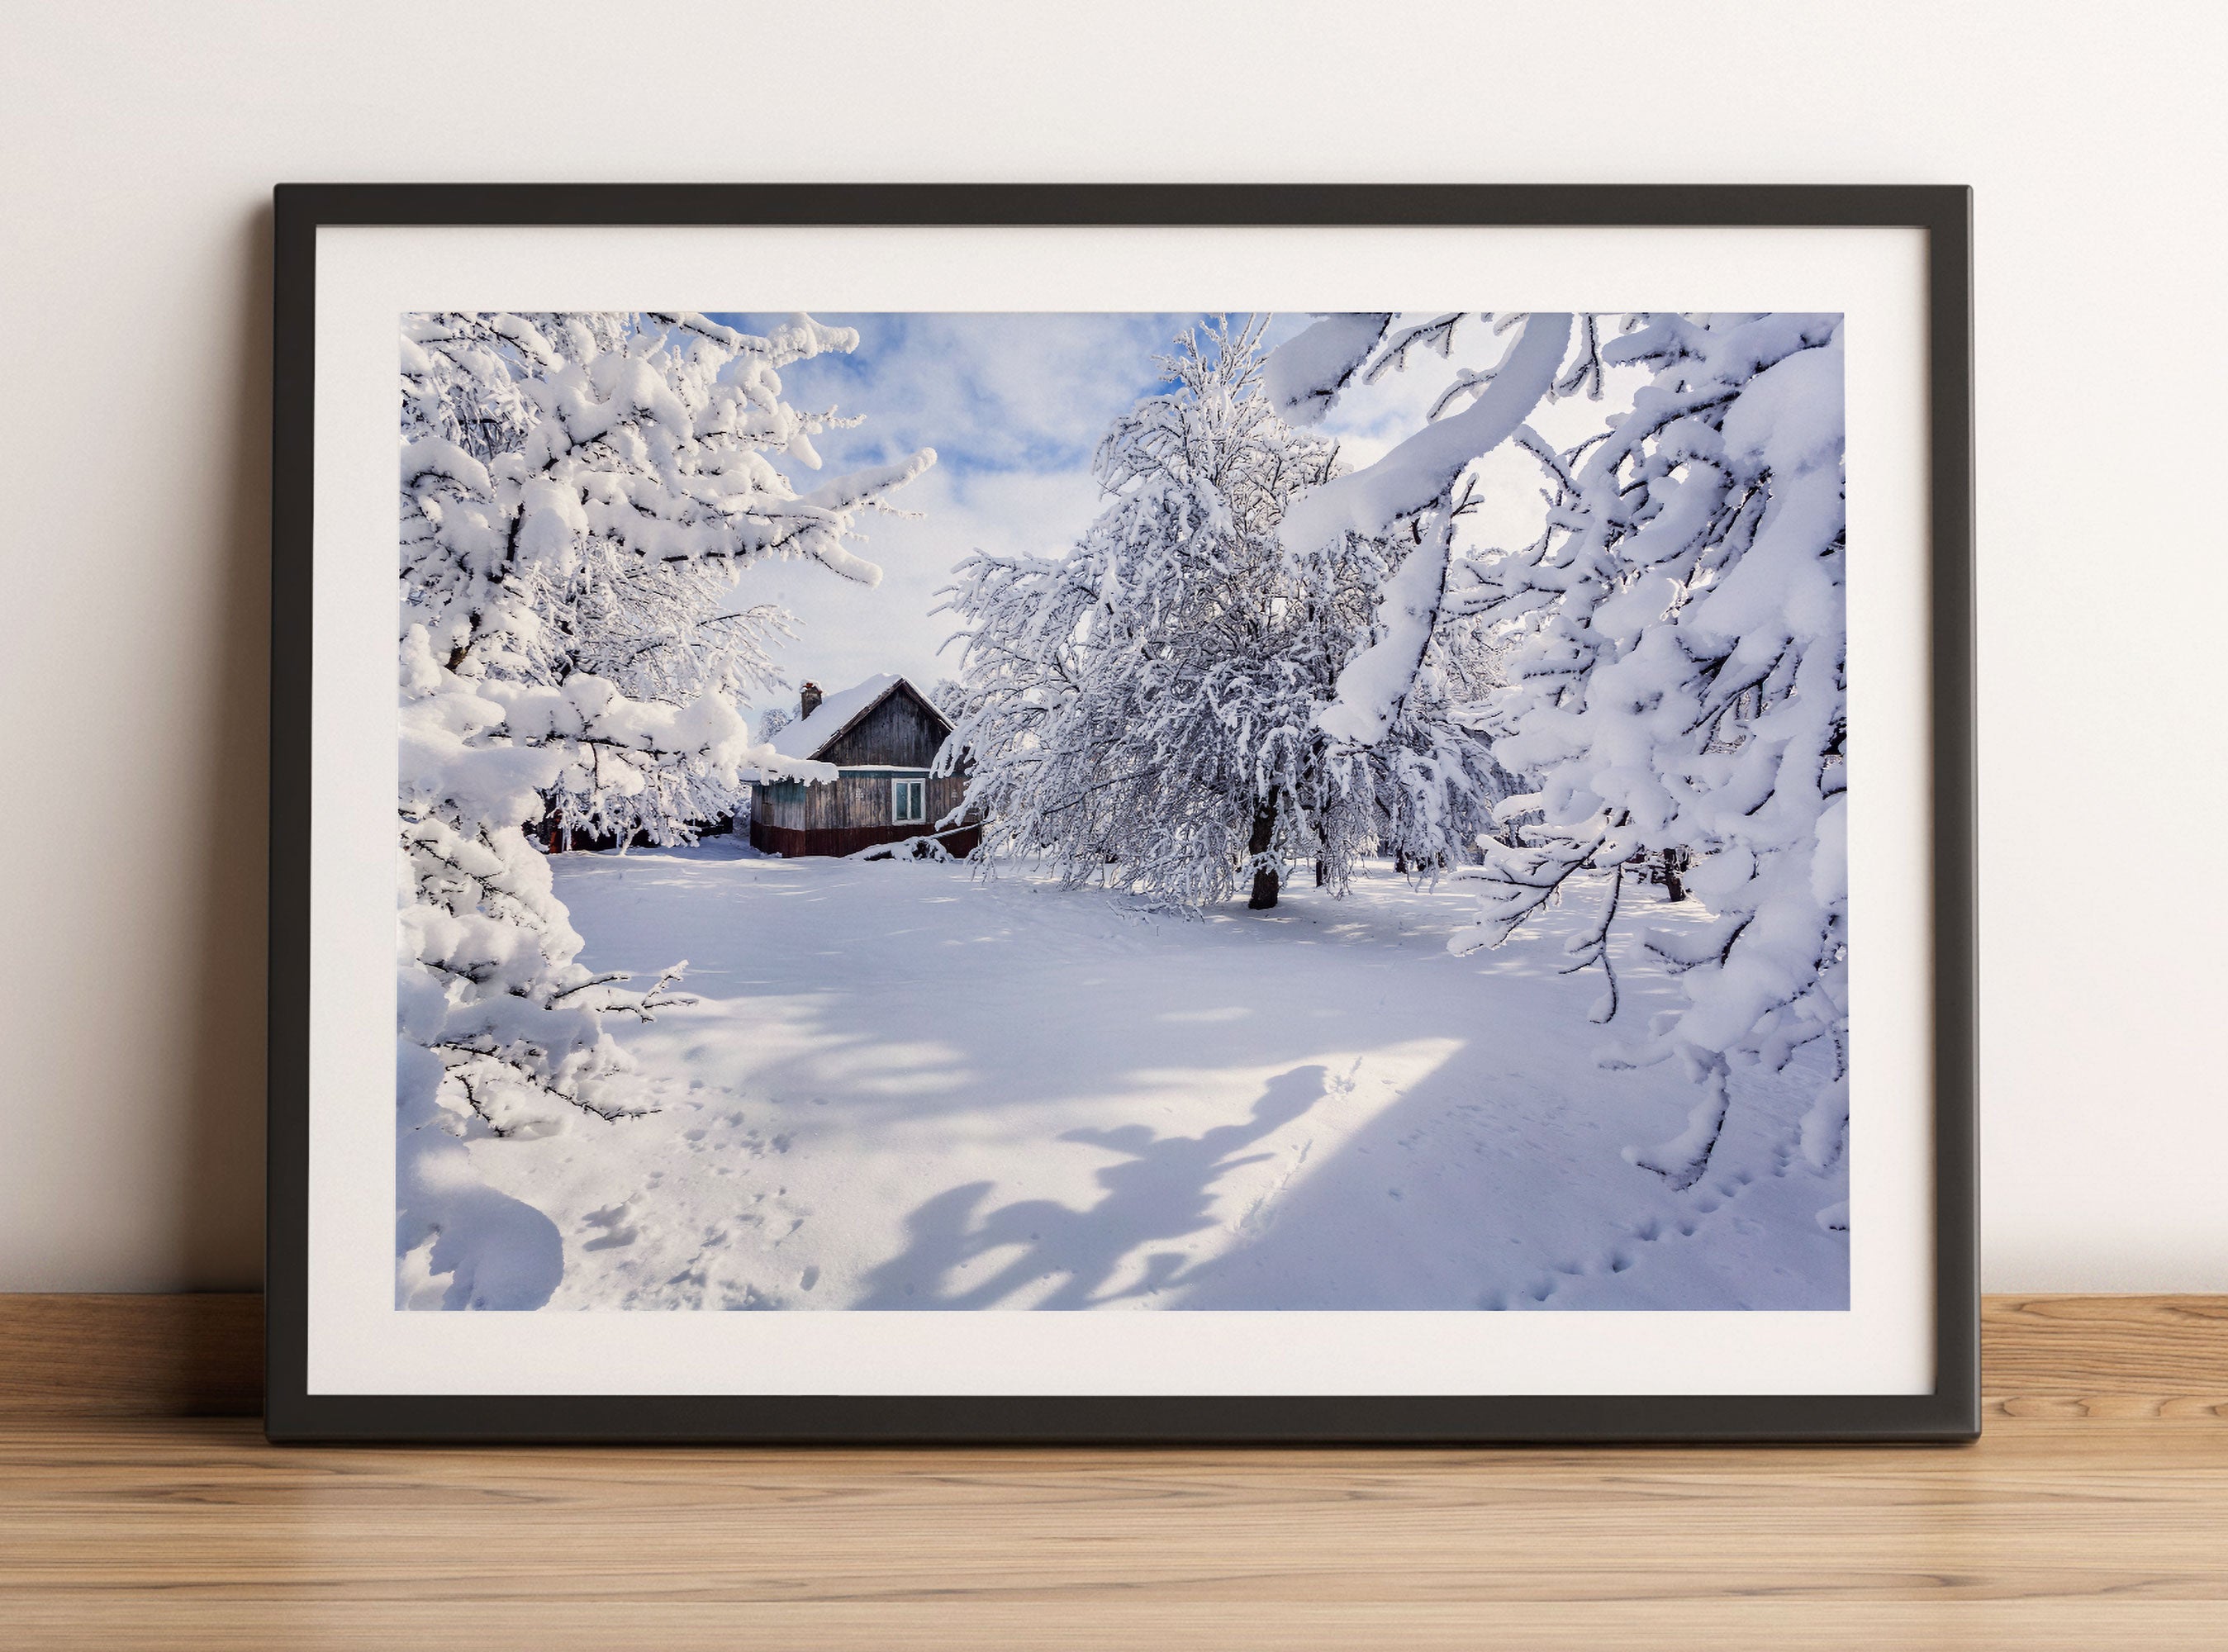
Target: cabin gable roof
[{"x": 839, "y": 713}]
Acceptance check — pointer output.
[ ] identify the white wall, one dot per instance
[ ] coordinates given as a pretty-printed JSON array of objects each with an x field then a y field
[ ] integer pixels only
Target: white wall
[{"x": 142, "y": 142}]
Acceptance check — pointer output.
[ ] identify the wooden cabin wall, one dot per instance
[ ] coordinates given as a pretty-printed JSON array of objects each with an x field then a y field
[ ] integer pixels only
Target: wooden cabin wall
[
  {"x": 855, "y": 800},
  {"x": 781, "y": 805},
  {"x": 945, "y": 795},
  {"x": 896, "y": 732}
]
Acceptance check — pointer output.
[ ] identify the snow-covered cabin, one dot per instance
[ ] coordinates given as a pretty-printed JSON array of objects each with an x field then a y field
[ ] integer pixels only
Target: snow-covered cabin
[{"x": 882, "y": 736}]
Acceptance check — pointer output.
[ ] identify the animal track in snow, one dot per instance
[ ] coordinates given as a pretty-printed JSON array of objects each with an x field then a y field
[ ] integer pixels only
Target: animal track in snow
[
  {"x": 1263, "y": 1211},
  {"x": 1620, "y": 1256}
]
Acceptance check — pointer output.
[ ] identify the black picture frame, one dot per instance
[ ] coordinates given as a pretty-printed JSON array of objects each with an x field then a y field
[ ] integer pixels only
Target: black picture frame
[{"x": 1951, "y": 1411}]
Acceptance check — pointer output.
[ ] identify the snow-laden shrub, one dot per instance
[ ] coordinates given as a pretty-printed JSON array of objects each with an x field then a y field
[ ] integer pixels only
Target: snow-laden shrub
[{"x": 576, "y": 492}]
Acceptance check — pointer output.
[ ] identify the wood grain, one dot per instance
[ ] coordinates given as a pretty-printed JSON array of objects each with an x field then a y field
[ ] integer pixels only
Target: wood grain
[
  {"x": 2105, "y": 1356},
  {"x": 2094, "y": 1513},
  {"x": 202, "y": 1355},
  {"x": 198, "y": 1355}
]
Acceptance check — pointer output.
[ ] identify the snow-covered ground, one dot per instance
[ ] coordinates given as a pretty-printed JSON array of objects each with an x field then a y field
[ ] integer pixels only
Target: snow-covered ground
[{"x": 904, "y": 1087}]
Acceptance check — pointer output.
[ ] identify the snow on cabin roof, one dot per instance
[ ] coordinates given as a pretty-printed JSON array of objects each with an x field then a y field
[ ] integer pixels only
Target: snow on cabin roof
[{"x": 808, "y": 736}]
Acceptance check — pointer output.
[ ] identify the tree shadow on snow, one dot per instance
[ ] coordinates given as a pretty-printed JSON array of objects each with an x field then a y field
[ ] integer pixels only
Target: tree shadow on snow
[
  {"x": 867, "y": 1013},
  {"x": 1162, "y": 1189},
  {"x": 1495, "y": 1179}
]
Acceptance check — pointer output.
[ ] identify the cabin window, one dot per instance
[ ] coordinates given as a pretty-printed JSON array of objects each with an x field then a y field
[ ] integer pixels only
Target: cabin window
[{"x": 909, "y": 802}]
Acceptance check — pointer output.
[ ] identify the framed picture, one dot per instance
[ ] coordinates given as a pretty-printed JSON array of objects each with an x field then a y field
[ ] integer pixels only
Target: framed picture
[{"x": 1133, "y": 845}]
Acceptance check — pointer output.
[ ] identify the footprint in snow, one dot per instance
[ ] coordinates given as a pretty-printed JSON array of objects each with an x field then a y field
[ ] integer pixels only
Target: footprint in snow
[{"x": 617, "y": 1229}]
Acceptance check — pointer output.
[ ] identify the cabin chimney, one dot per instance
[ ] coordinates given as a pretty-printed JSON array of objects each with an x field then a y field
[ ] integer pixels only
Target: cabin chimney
[{"x": 808, "y": 699}]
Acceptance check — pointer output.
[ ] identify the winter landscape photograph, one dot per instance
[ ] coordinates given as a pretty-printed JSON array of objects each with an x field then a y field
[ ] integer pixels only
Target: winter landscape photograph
[{"x": 1206, "y": 812}]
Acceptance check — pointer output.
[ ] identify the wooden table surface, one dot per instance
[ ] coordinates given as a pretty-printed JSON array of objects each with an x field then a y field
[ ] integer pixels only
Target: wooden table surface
[{"x": 2093, "y": 1514}]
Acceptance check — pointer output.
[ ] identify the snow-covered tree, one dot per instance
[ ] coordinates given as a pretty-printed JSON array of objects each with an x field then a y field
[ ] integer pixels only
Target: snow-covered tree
[
  {"x": 664, "y": 633},
  {"x": 1673, "y": 650},
  {"x": 1142, "y": 710},
  {"x": 773, "y": 721},
  {"x": 947, "y": 696},
  {"x": 571, "y": 486}
]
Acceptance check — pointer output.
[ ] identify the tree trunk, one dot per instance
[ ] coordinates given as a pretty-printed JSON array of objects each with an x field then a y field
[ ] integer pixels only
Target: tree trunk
[
  {"x": 1675, "y": 862},
  {"x": 1264, "y": 878},
  {"x": 1322, "y": 874}
]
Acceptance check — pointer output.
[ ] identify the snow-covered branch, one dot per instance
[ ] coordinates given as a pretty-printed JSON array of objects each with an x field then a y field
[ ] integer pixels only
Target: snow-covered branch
[
  {"x": 1681, "y": 690},
  {"x": 1422, "y": 471},
  {"x": 1420, "y": 475}
]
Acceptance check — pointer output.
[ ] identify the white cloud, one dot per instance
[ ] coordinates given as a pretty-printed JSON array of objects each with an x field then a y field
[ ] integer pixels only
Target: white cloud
[{"x": 1002, "y": 392}]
